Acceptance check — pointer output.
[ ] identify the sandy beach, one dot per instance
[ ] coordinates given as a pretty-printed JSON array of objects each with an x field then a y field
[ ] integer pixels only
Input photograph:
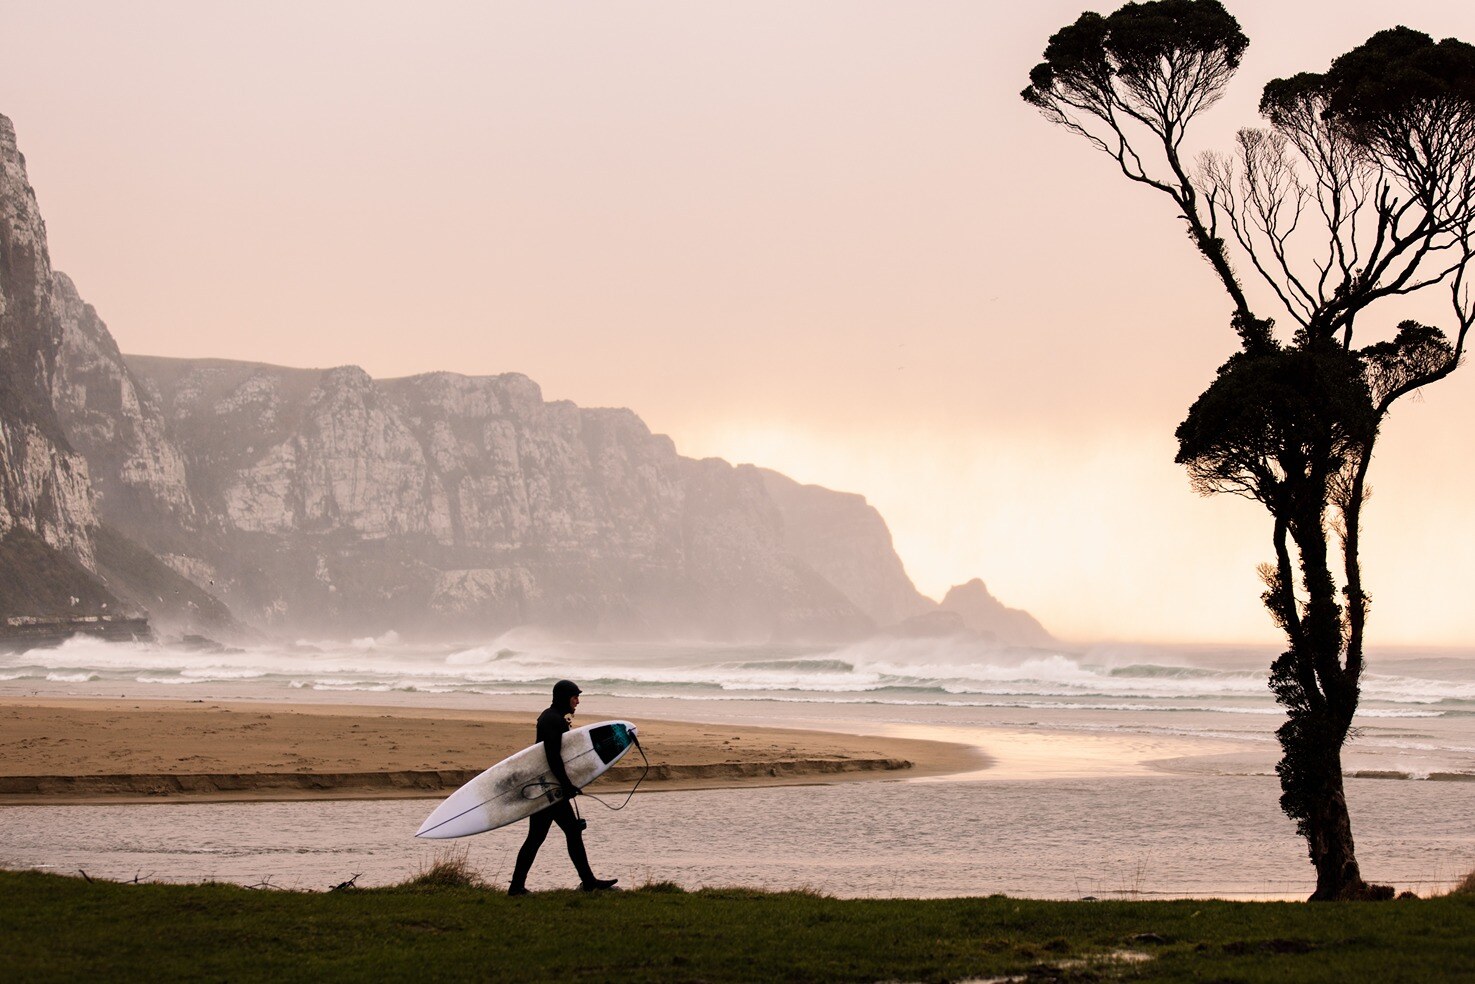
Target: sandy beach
[{"x": 121, "y": 750}]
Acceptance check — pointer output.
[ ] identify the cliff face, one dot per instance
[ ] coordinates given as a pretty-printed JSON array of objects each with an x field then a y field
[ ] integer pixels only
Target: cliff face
[
  {"x": 44, "y": 491},
  {"x": 137, "y": 473},
  {"x": 323, "y": 500},
  {"x": 844, "y": 538}
]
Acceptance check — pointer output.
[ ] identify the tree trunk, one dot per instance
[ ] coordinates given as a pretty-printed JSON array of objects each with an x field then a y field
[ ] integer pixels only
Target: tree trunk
[
  {"x": 1319, "y": 719},
  {"x": 1329, "y": 840}
]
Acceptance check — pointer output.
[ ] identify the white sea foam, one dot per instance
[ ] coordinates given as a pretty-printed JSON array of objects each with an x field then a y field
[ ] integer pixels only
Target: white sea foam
[
  {"x": 71, "y": 677},
  {"x": 905, "y": 672}
]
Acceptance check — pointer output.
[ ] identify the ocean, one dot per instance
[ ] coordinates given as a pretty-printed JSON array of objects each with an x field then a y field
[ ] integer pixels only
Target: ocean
[{"x": 1120, "y": 770}]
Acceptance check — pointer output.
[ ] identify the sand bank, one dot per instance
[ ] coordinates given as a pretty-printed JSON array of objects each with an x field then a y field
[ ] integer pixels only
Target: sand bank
[{"x": 81, "y": 749}]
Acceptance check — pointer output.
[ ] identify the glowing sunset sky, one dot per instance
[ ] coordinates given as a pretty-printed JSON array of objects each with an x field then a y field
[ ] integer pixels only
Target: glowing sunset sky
[{"x": 825, "y": 237}]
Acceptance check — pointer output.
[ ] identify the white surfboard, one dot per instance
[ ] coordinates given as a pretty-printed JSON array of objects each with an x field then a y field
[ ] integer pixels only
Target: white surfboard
[{"x": 522, "y": 784}]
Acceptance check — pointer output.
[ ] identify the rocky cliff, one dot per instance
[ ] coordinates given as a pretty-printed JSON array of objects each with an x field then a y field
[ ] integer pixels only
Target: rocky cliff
[
  {"x": 324, "y": 500},
  {"x": 137, "y": 472},
  {"x": 844, "y": 539},
  {"x": 46, "y": 514},
  {"x": 224, "y": 495}
]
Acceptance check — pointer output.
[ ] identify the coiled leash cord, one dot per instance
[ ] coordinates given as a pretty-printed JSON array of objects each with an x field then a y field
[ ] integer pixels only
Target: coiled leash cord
[{"x": 631, "y": 793}]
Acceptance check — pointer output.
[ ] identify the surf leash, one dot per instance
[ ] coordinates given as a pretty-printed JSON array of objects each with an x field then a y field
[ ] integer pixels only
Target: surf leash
[{"x": 631, "y": 793}]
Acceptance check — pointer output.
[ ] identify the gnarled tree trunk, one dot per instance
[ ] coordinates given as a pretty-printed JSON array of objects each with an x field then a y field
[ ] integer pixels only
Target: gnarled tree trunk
[
  {"x": 1329, "y": 840},
  {"x": 1320, "y": 694}
]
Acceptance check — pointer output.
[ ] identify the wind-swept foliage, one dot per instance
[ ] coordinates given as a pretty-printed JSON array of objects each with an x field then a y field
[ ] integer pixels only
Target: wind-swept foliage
[
  {"x": 1131, "y": 83},
  {"x": 1360, "y": 190},
  {"x": 1270, "y": 418},
  {"x": 1156, "y": 64}
]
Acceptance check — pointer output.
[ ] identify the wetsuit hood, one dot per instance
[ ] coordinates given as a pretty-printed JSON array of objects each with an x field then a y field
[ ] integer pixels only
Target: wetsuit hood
[{"x": 563, "y": 692}]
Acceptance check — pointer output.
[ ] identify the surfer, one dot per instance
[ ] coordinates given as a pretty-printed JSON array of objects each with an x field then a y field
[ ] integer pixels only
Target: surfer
[{"x": 552, "y": 725}]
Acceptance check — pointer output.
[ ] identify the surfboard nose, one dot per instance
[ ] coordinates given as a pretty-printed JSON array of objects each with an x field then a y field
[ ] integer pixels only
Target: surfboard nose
[{"x": 440, "y": 824}]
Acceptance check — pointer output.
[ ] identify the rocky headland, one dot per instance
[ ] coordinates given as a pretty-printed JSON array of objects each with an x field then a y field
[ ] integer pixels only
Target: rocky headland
[{"x": 230, "y": 498}]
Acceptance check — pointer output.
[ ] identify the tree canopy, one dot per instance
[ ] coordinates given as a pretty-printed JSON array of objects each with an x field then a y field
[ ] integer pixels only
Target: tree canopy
[
  {"x": 1158, "y": 63},
  {"x": 1271, "y": 417}
]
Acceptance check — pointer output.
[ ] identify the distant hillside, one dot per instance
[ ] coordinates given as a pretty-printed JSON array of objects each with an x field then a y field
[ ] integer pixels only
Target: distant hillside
[
  {"x": 981, "y": 612},
  {"x": 444, "y": 504}
]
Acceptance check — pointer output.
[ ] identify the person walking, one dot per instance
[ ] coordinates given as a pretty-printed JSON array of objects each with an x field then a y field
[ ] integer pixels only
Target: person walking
[{"x": 553, "y": 724}]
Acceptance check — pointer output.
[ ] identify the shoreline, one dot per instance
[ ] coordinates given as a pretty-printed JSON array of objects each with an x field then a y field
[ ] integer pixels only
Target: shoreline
[{"x": 118, "y": 750}]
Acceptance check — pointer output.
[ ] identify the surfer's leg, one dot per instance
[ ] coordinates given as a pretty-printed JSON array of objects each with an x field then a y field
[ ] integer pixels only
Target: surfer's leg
[
  {"x": 538, "y": 825},
  {"x": 573, "y": 832}
]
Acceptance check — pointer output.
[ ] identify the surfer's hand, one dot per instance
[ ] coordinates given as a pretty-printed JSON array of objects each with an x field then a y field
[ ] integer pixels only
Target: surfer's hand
[{"x": 569, "y": 792}]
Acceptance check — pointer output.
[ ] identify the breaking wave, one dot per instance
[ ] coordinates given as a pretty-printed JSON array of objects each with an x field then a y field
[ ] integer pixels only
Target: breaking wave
[{"x": 881, "y": 670}]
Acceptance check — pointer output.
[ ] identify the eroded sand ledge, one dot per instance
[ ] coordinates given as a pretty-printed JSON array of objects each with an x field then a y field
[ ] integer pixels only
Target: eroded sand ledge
[{"x": 86, "y": 749}]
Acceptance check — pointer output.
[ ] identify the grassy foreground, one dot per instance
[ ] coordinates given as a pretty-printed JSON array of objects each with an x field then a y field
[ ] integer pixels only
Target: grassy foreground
[{"x": 58, "y": 928}]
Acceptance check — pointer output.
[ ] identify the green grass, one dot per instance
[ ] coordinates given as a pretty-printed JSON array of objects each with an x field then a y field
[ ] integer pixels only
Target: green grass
[
  {"x": 56, "y": 928},
  {"x": 449, "y": 867}
]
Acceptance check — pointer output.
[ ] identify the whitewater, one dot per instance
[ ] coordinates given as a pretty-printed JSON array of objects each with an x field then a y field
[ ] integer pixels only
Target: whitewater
[{"x": 1419, "y": 702}]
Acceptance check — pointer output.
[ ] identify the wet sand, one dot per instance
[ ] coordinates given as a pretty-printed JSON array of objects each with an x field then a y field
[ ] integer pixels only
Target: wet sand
[{"x": 122, "y": 750}]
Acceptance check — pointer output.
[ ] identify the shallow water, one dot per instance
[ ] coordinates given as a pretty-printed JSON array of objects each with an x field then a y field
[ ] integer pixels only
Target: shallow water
[{"x": 1134, "y": 837}]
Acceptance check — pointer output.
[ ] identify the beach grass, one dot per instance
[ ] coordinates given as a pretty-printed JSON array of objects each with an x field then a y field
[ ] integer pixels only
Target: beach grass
[
  {"x": 55, "y": 928},
  {"x": 449, "y": 867}
]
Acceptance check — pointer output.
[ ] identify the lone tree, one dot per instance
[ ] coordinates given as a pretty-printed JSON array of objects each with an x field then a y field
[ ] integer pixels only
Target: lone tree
[{"x": 1358, "y": 191}]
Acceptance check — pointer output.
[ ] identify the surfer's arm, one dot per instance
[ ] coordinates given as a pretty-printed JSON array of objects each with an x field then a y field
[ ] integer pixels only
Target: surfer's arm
[{"x": 553, "y": 748}]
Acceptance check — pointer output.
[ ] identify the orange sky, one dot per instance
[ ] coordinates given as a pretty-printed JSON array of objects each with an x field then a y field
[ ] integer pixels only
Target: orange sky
[{"x": 826, "y": 237}]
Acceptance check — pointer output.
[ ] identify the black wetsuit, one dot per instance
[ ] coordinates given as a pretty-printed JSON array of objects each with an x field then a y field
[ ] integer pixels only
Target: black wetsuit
[{"x": 552, "y": 725}]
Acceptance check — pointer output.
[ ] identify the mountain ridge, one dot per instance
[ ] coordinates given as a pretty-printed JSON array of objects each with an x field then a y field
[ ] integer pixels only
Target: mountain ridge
[{"x": 231, "y": 497}]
